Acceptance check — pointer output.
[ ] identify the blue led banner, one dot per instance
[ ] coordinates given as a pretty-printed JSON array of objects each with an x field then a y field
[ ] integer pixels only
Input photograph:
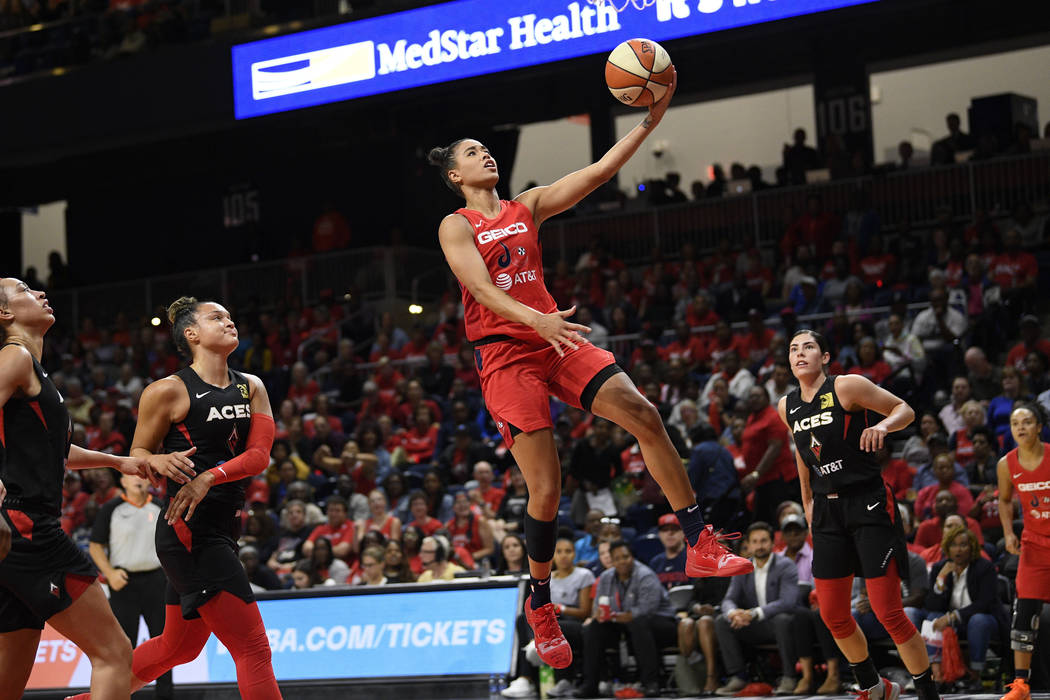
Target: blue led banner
[
  {"x": 428, "y": 633},
  {"x": 466, "y": 38}
]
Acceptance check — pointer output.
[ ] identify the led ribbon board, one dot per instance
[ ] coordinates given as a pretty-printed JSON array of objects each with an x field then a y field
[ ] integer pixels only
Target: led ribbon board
[{"x": 466, "y": 38}]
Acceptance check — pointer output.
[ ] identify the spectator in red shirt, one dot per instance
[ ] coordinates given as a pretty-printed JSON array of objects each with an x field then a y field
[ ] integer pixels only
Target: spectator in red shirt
[
  {"x": 420, "y": 440},
  {"x": 699, "y": 312},
  {"x": 107, "y": 439},
  {"x": 1030, "y": 341},
  {"x": 414, "y": 398},
  {"x": 466, "y": 370},
  {"x": 417, "y": 505},
  {"x": 877, "y": 266},
  {"x": 686, "y": 347},
  {"x": 339, "y": 530},
  {"x": 869, "y": 361},
  {"x": 381, "y": 520},
  {"x": 303, "y": 389},
  {"x": 723, "y": 343},
  {"x": 897, "y": 474},
  {"x": 331, "y": 231},
  {"x": 1013, "y": 269},
  {"x": 930, "y": 531},
  {"x": 767, "y": 456},
  {"x": 468, "y": 529},
  {"x": 382, "y": 348},
  {"x": 944, "y": 471},
  {"x": 74, "y": 499},
  {"x": 816, "y": 228},
  {"x": 754, "y": 345},
  {"x": 486, "y": 496}
]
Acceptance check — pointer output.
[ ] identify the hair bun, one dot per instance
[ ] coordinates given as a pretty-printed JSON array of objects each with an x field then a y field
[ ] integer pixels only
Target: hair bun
[
  {"x": 180, "y": 305},
  {"x": 437, "y": 156}
]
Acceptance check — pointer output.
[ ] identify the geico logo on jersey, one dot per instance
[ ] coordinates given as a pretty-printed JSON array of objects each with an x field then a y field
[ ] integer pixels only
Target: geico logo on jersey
[
  {"x": 1034, "y": 486},
  {"x": 497, "y": 233},
  {"x": 240, "y": 410},
  {"x": 810, "y": 422},
  {"x": 505, "y": 281}
]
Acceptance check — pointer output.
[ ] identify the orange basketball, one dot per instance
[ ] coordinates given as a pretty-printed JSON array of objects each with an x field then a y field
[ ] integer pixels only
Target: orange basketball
[{"x": 638, "y": 72}]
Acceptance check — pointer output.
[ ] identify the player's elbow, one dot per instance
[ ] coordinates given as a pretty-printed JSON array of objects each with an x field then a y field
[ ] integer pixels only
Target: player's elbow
[{"x": 906, "y": 412}]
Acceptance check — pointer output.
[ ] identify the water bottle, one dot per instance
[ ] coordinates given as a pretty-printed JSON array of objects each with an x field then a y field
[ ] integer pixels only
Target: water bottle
[
  {"x": 494, "y": 689},
  {"x": 546, "y": 680}
]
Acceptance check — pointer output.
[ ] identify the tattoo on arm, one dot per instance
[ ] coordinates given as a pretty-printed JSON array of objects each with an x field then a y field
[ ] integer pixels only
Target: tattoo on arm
[{"x": 647, "y": 122}]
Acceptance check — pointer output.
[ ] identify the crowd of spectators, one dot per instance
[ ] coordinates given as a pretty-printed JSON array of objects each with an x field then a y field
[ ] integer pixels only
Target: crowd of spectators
[
  {"x": 387, "y": 467},
  {"x": 802, "y": 164}
]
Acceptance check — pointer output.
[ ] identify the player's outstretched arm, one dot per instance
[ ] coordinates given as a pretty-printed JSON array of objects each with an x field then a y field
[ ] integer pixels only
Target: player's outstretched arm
[
  {"x": 548, "y": 201},
  {"x": 457, "y": 243}
]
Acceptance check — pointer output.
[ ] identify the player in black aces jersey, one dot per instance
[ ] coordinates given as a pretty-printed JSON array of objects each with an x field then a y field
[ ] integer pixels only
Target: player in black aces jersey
[
  {"x": 852, "y": 513},
  {"x": 217, "y": 425},
  {"x": 43, "y": 575}
]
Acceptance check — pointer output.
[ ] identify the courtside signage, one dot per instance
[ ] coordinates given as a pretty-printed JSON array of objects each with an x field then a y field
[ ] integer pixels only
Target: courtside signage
[
  {"x": 458, "y": 631},
  {"x": 466, "y": 38},
  {"x": 429, "y": 633}
]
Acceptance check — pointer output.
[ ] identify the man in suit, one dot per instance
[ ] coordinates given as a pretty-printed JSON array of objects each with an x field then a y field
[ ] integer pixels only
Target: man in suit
[{"x": 759, "y": 609}]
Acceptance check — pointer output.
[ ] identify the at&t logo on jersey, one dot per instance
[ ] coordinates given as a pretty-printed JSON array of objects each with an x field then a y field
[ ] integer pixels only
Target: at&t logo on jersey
[
  {"x": 240, "y": 410},
  {"x": 810, "y": 422},
  {"x": 497, "y": 233},
  {"x": 505, "y": 281}
]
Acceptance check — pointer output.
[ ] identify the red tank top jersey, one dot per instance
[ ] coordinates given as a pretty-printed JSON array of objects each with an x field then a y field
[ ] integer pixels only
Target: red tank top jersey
[
  {"x": 510, "y": 246},
  {"x": 384, "y": 530},
  {"x": 466, "y": 536},
  {"x": 1033, "y": 488}
]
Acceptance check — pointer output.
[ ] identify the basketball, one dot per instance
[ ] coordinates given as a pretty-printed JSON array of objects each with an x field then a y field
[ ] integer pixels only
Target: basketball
[{"x": 638, "y": 72}]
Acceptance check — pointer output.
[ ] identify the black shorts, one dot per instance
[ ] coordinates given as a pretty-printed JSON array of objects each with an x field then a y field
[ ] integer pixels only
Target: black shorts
[
  {"x": 43, "y": 574},
  {"x": 857, "y": 533},
  {"x": 200, "y": 560}
]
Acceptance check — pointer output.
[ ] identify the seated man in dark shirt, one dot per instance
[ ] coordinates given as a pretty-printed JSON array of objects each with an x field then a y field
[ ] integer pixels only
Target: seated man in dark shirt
[{"x": 669, "y": 565}]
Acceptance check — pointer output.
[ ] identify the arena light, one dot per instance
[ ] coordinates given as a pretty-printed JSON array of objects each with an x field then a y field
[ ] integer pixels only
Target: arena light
[
  {"x": 415, "y": 309},
  {"x": 155, "y": 321}
]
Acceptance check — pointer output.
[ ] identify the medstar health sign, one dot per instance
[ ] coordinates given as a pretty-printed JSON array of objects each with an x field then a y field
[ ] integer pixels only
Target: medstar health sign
[{"x": 466, "y": 38}]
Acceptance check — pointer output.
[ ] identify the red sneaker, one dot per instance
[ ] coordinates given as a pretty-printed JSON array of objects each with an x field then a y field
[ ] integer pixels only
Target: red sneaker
[
  {"x": 1018, "y": 690},
  {"x": 551, "y": 645},
  {"x": 709, "y": 557}
]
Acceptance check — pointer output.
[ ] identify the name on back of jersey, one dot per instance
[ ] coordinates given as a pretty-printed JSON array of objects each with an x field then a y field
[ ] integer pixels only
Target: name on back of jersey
[
  {"x": 810, "y": 422},
  {"x": 229, "y": 412}
]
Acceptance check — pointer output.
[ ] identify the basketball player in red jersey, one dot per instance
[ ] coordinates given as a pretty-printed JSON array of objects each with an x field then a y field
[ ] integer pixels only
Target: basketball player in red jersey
[
  {"x": 1026, "y": 469},
  {"x": 43, "y": 575},
  {"x": 217, "y": 425},
  {"x": 526, "y": 350},
  {"x": 852, "y": 513}
]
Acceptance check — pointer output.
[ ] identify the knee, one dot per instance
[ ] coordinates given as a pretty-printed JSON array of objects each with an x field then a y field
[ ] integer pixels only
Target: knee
[
  {"x": 638, "y": 622},
  {"x": 116, "y": 653},
  {"x": 647, "y": 418},
  {"x": 544, "y": 497},
  {"x": 686, "y": 626},
  {"x": 783, "y": 621},
  {"x": 896, "y": 623},
  {"x": 840, "y": 624},
  {"x": 722, "y": 625}
]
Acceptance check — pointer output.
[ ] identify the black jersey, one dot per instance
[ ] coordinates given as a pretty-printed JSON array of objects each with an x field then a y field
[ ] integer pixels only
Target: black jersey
[
  {"x": 34, "y": 444},
  {"x": 828, "y": 439},
  {"x": 217, "y": 425}
]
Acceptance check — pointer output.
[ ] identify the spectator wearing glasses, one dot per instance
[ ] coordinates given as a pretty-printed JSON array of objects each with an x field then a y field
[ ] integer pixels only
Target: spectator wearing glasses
[{"x": 372, "y": 574}]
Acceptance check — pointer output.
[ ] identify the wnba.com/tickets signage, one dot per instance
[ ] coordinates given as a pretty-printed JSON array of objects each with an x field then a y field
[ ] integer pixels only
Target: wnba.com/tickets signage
[
  {"x": 442, "y": 630},
  {"x": 470, "y": 37}
]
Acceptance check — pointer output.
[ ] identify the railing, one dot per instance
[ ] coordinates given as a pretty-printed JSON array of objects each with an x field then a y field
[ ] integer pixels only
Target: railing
[
  {"x": 377, "y": 273},
  {"x": 918, "y": 197}
]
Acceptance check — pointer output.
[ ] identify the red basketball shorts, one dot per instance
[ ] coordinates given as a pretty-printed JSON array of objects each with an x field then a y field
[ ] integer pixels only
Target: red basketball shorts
[
  {"x": 1033, "y": 571},
  {"x": 518, "y": 379}
]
